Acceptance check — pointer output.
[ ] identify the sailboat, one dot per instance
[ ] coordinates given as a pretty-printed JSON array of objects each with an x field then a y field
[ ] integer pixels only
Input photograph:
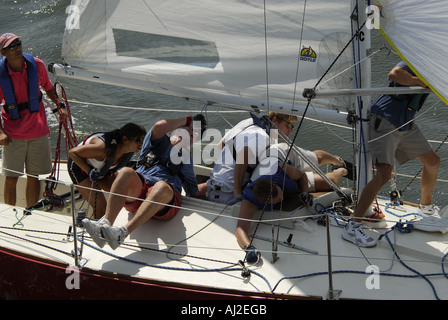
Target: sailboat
[{"x": 308, "y": 58}]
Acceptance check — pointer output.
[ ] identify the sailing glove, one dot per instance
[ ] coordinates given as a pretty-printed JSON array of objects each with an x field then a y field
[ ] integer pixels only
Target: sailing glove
[{"x": 94, "y": 175}]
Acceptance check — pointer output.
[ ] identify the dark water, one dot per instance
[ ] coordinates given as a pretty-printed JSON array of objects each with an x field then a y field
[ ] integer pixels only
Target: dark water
[{"x": 41, "y": 25}]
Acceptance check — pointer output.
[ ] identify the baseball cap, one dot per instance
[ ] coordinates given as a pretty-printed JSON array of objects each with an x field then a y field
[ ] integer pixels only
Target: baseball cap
[{"x": 6, "y": 39}]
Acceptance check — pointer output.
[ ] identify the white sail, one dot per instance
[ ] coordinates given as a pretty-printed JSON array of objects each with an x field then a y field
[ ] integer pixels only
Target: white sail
[
  {"x": 261, "y": 53},
  {"x": 418, "y": 32}
]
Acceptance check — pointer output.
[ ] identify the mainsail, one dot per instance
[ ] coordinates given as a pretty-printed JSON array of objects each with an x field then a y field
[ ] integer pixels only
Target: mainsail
[{"x": 241, "y": 52}]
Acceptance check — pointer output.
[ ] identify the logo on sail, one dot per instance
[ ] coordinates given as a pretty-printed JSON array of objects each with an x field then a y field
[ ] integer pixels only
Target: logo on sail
[{"x": 308, "y": 54}]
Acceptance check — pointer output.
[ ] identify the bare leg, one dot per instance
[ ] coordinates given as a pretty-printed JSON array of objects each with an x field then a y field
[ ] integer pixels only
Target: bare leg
[
  {"x": 323, "y": 158},
  {"x": 335, "y": 176},
  {"x": 247, "y": 211},
  {"x": 10, "y": 195},
  {"x": 128, "y": 184},
  {"x": 32, "y": 190},
  {"x": 431, "y": 163},
  {"x": 372, "y": 189},
  {"x": 161, "y": 192},
  {"x": 96, "y": 198}
]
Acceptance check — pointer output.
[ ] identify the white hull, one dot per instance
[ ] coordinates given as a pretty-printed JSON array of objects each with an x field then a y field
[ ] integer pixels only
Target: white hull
[{"x": 204, "y": 243}]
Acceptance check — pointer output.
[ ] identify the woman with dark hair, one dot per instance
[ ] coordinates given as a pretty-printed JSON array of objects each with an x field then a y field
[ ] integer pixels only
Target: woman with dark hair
[{"x": 94, "y": 162}]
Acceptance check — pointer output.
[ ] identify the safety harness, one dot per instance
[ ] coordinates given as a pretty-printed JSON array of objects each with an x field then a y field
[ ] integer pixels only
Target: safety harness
[
  {"x": 34, "y": 94},
  {"x": 151, "y": 158},
  {"x": 414, "y": 101},
  {"x": 263, "y": 123},
  {"x": 111, "y": 144}
]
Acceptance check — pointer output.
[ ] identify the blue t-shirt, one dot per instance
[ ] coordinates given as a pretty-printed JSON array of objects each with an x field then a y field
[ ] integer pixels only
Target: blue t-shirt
[
  {"x": 285, "y": 183},
  {"x": 161, "y": 148},
  {"x": 396, "y": 108}
]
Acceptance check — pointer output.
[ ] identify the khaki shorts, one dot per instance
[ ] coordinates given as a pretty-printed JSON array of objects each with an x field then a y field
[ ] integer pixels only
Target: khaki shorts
[
  {"x": 32, "y": 154},
  {"x": 401, "y": 145}
]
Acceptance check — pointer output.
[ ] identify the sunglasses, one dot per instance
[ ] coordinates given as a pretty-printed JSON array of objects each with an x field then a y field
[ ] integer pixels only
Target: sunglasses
[
  {"x": 140, "y": 140},
  {"x": 289, "y": 124},
  {"x": 13, "y": 45}
]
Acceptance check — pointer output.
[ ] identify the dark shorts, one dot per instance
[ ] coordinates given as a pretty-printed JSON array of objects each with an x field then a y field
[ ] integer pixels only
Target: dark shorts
[
  {"x": 76, "y": 173},
  {"x": 167, "y": 213}
]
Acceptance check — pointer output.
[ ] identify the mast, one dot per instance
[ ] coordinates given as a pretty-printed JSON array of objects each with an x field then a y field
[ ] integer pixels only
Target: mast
[{"x": 361, "y": 46}]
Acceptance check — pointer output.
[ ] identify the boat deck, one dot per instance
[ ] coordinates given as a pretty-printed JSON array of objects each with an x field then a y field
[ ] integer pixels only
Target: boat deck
[{"x": 197, "y": 249}]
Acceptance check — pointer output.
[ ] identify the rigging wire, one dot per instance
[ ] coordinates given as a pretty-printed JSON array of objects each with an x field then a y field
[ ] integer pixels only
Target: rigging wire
[
  {"x": 194, "y": 234},
  {"x": 158, "y": 266},
  {"x": 355, "y": 64},
  {"x": 421, "y": 169},
  {"x": 417, "y": 274},
  {"x": 267, "y": 77},
  {"x": 319, "y": 81},
  {"x": 298, "y": 54},
  {"x": 358, "y": 133},
  {"x": 266, "y": 53},
  {"x": 356, "y": 34}
]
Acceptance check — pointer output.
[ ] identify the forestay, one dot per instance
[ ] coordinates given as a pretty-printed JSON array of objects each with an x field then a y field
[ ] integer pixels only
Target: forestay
[{"x": 261, "y": 53}]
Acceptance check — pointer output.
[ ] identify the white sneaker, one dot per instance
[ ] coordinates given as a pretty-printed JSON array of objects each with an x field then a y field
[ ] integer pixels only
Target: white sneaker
[
  {"x": 114, "y": 235},
  {"x": 354, "y": 233},
  {"x": 428, "y": 210},
  {"x": 93, "y": 228}
]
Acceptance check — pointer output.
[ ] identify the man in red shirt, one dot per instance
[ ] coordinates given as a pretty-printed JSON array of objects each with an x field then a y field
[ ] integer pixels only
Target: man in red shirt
[{"x": 24, "y": 132}]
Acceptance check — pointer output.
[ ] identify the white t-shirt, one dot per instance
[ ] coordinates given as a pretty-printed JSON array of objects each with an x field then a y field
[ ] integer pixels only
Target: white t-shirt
[
  {"x": 296, "y": 159},
  {"x": 244, "y": 134},
  {"x": 98, "y": 165},
  {"x": 276, "y": 152}
]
